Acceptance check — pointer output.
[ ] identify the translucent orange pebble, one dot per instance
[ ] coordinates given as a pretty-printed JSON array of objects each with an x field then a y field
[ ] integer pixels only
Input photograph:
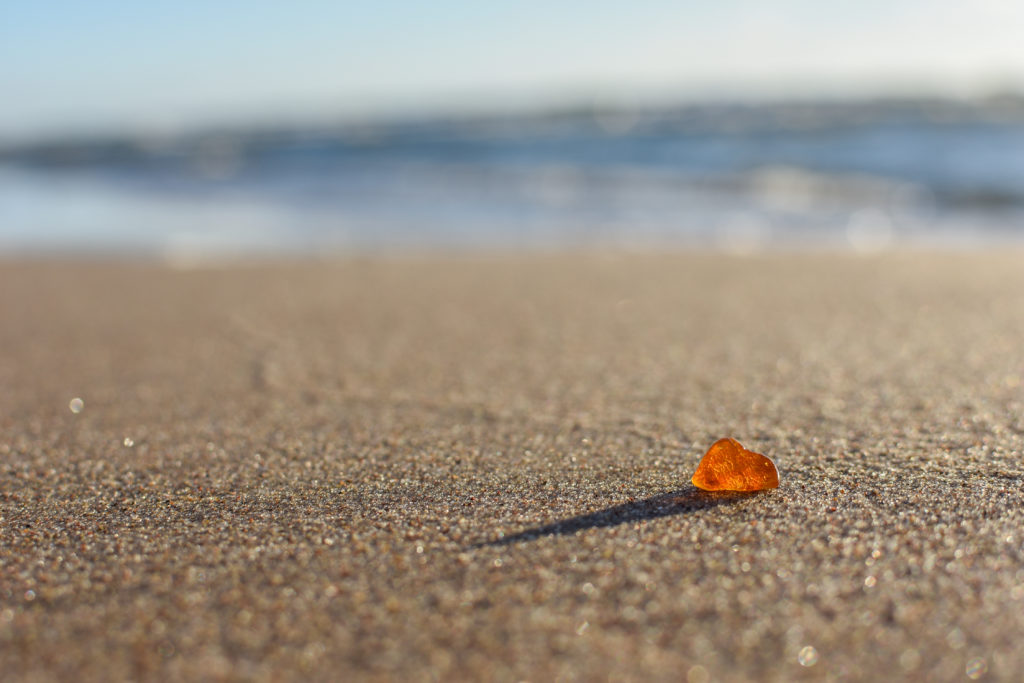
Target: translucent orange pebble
[{"x": 728, "y": 466}]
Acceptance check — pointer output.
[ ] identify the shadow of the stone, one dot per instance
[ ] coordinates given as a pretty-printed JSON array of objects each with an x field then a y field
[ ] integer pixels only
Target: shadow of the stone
[{"x": 683, "y": 502}]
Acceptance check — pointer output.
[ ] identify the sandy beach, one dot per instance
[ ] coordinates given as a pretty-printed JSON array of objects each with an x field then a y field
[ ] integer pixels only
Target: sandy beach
[{"x": 478, "y": 468}]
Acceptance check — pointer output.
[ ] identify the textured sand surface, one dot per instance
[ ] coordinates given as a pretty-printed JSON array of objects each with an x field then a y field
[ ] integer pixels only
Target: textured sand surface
[{"x": 478, "y": 468}]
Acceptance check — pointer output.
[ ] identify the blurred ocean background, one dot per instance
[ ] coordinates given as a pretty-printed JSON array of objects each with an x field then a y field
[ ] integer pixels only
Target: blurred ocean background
[
  {"x": 324, "y": 128},
  {"x": 856, "y": 174}
]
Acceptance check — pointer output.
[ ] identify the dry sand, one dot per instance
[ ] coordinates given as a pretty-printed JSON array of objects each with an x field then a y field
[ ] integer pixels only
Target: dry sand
[{"x": 478, "y": 468}]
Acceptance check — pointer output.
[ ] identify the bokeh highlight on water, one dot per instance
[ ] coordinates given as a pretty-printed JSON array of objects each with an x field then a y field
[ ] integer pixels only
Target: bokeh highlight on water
[{"x": 861, "y": 175}]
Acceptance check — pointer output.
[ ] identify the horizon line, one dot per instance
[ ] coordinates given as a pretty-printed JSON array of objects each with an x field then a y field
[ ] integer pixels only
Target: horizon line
[{"x": 482, "y": 108}]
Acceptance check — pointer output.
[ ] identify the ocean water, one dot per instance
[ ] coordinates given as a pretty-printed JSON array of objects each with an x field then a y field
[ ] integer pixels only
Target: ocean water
[{"x": 855, "y": 175}]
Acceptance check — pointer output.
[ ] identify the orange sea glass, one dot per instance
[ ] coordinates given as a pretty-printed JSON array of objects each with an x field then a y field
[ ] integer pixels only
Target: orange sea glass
[{"x": 728, "y": 466}]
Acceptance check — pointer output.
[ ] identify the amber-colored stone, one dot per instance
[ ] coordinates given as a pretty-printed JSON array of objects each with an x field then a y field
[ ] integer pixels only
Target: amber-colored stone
[{"x": 728, "y": 466}]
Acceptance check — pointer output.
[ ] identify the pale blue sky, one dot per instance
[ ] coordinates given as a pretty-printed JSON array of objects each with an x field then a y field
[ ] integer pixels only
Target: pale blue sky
[{"x": 71, "y": 65}]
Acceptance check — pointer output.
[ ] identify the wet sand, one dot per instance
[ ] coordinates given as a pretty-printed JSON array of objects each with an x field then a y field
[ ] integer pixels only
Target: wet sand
[{"x": 479, "y": 468}]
